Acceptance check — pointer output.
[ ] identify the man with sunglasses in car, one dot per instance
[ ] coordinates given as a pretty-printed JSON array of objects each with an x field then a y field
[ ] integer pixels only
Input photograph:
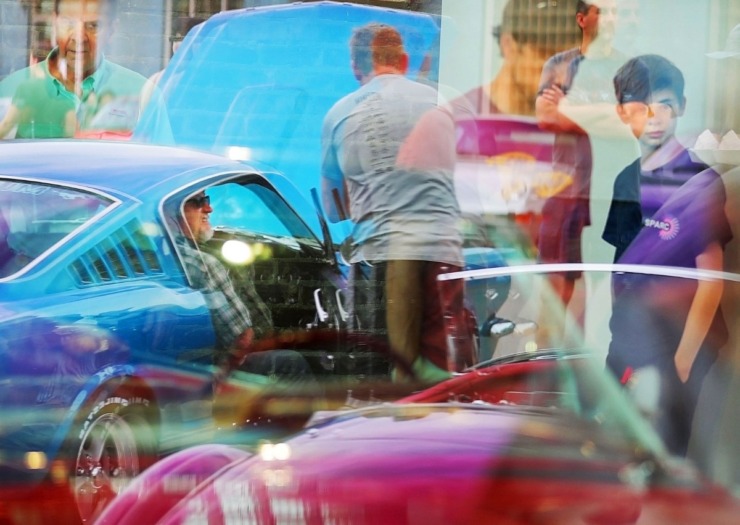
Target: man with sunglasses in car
[
  {"x": 76, "y": 88},
  {"x": 240, "y": 318}
]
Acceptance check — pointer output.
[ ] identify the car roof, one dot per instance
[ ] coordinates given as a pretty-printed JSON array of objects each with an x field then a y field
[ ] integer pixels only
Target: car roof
[{"x": 124, "y": 168}]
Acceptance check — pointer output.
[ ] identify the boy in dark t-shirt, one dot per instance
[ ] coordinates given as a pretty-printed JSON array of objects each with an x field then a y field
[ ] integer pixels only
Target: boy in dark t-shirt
[
  {"x": 650, "y": 92},
  {"x": 669, "y": 216}
]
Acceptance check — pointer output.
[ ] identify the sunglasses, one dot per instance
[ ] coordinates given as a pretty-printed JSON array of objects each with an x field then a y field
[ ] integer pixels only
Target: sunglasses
[
  {"x": 203, "y": 200},
  {"x": 656, "y": 109}
]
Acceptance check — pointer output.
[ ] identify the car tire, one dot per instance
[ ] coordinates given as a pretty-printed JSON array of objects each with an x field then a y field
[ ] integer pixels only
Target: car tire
[{"x": 112, "y": 442}]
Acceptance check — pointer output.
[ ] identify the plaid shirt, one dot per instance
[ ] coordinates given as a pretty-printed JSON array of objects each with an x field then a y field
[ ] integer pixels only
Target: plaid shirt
[{"x": 229, "y": 313}]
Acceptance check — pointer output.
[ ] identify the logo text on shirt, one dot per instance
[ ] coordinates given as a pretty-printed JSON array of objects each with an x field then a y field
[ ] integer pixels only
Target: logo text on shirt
[{"x": 668, "y": 227}]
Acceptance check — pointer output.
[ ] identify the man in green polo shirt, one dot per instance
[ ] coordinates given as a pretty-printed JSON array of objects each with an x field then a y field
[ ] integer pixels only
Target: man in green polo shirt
[{"x": 75, "y": 90}]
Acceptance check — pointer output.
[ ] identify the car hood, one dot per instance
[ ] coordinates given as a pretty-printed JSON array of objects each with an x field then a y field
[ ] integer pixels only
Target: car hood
[{"x": 416, "y": 464}]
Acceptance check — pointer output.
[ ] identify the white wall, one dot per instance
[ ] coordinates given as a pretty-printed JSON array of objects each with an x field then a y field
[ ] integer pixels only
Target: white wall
[
  {"x": 468, "y": 54},
  {"x": 681, "y": 30}
]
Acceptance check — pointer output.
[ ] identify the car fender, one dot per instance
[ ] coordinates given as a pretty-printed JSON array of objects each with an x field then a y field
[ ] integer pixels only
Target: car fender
[
  {"x": 100, "y": 384},
  {"x": 162, "y": 487}
]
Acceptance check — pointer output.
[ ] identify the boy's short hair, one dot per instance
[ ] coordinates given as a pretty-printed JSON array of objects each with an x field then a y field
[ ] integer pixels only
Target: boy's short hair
[{"x": 639, "y": 77}]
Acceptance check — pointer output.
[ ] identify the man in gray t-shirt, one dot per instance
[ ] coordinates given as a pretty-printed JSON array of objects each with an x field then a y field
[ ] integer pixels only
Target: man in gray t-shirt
[{"x": 388, "y": 161}]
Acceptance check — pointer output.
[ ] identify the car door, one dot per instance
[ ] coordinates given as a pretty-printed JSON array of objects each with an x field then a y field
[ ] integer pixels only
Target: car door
[{"x": 276, "y": 263}]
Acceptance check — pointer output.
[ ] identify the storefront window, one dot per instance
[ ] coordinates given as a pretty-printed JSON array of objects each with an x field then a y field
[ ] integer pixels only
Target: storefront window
[{"x": 475, "y": 183}]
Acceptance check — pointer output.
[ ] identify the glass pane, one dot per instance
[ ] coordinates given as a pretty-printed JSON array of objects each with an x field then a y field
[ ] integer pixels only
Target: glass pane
[{"x": 34, "y": 217}]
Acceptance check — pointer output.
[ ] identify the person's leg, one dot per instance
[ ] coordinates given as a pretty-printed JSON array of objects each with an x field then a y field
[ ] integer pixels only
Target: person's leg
[
  {"x": 563, "y": 286},
  {"x": 422, "y": 317},
  {"x": 698, "y": 413},
  {"x": 553, "y": 313},
  {"x": 564, "y": 324},
  {"x": 714, "y": 445},
  {"x": 446, "y": 322},
  {"x": 678, "y": 401},
  {"x": 557, "y": 244},
  {"x": 665, "y": 415},
  {"x": 404, "y": 307},
  {"x": 708, "y": 416},
  {"x": 366, "y": 298},
  {"x": 355, "y": 297}
]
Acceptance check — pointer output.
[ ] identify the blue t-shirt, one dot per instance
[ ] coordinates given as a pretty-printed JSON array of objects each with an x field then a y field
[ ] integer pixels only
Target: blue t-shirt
[
  {"x": 649, "y": 312},
  {"x": 639, "y": 194},
  {"x": 679, "y": 231},
  {"x": 393, "y": 144}
]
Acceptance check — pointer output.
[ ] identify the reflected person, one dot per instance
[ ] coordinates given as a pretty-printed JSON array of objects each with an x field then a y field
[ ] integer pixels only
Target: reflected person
[
  {"x": 650, "y": 96},
  {"x": 714, "y": 446},
  {"x": 576, "y": 101},
  {"x": 63, "y": 94},
  {"x": 530, "y": 32}
]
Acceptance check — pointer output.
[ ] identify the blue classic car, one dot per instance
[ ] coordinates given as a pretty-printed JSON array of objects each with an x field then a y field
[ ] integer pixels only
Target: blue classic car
[
  {"x": 109, "y": 338},
  {"x": 106, "y": 342}
]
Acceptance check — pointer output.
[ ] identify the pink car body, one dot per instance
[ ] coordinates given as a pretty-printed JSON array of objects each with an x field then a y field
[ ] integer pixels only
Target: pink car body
[{"x": 512, "y": 453}]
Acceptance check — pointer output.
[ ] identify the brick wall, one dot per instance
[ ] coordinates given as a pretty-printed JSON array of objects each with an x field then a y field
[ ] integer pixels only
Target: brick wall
[
  {"x": 139, "y": 42},
  {"x": 13, "y": 36}
]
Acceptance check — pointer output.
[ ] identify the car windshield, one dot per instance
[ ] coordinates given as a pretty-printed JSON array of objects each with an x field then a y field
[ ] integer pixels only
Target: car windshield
[{"x": 35, "y": 216}]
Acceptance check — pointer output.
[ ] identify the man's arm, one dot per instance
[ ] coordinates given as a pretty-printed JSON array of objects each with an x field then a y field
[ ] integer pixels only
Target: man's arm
[
  {"x": 229, "y": 311},
  {"x": 702, "y": 311},
  {"x": 549, "y": 94},
  {"x": 9, "y": 121},
  {"x": 549, "y": 116},
  {"x": 431, "y": 143},
  {"x": 335, "y": 199},
  {"x": 333, "y": 185}
]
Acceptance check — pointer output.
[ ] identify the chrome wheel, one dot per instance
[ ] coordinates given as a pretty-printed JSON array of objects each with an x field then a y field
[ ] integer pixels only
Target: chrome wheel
[{"x": 108, "y": 456}]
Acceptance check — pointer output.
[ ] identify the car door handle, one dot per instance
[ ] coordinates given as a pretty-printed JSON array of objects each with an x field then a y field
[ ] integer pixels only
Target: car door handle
[
  {"x": 340, "y": 305},
  {"x": 323, "y": 314}
]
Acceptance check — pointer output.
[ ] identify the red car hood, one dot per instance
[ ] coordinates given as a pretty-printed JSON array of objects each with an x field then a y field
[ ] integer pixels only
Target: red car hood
[{"x": 426, "y": 464}]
